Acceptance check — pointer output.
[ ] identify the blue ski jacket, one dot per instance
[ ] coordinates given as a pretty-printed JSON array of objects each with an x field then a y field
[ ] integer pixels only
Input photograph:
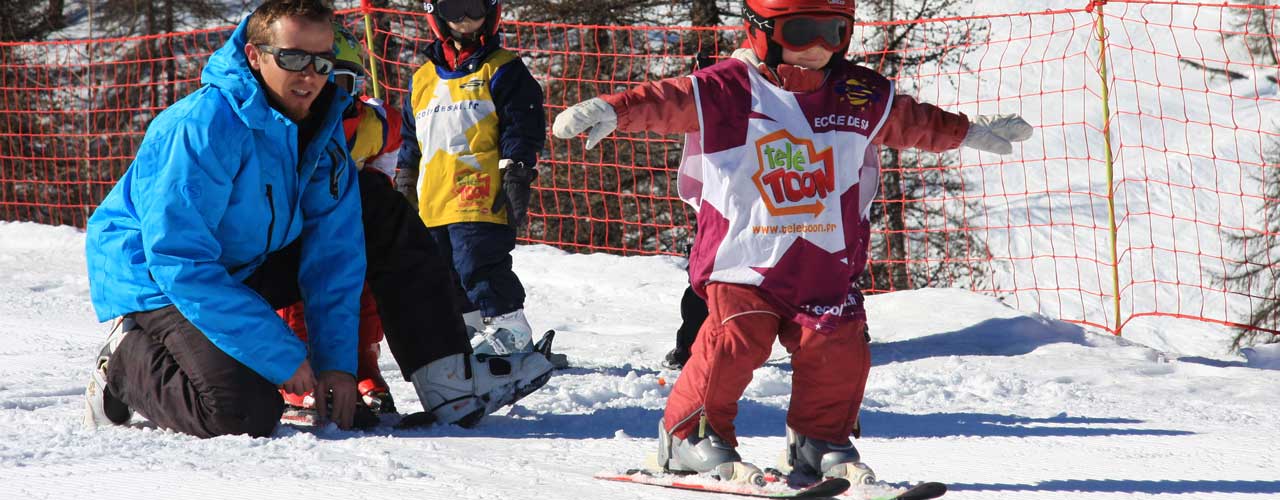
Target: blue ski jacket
[{"x": 217, "y": 184}]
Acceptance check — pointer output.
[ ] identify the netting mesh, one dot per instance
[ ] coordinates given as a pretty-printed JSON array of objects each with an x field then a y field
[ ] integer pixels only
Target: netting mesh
[{"x": 1151, "y": 180}]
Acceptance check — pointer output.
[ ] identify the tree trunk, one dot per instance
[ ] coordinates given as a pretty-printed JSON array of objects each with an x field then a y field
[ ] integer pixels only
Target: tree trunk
[{"x": 895, "y": 213}]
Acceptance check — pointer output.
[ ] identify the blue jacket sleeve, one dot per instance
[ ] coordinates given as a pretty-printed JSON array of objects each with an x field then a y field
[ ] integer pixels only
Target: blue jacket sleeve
[
  {"x": 409, "y": 152},
  {"x": 522, "y": 121},
  {"x": 332, "y": 265},
  {"x": 180, "y": 192}
]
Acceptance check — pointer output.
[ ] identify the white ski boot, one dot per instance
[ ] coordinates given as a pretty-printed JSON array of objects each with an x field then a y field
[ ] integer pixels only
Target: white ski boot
[
  {"x": 819, "y": 458},
  {"x": 706, "y": 454},
  {"x": 504, "y": 334},
  {"x": 461, "y": 389},
  {"x": 100, "y": 406},
  {"x": 474, "y": 321}
]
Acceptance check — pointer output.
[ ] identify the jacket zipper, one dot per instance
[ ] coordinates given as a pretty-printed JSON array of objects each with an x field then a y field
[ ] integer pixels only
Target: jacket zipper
[
  {"x": 271, "y": 228},
  {"x": 335, "y": 163}
]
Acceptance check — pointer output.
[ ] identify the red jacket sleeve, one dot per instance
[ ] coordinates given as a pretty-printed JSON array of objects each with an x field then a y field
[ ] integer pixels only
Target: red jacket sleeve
[
  {"x": 665, "y": 106},
  {"x": 668, "y": 106},
  {"x": 923, "y": 126}
]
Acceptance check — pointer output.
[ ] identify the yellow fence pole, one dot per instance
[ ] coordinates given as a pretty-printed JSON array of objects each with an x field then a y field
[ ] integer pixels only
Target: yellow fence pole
[
  {"x": 368, "y": 42},
  {"x": 1106, "y": 137}
]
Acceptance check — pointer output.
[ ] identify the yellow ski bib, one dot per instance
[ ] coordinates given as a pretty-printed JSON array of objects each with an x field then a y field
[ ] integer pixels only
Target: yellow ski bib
[{"x": 457, "y": 131}]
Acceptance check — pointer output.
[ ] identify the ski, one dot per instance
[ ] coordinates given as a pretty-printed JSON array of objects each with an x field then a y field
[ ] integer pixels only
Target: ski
[
  {"x": 875, "y": 490},
  {"x": 777, "y": 489},
  {"x": 922, "y": 491}
]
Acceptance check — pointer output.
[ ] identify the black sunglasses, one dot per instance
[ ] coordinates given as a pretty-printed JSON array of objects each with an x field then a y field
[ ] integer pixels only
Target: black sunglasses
[
  {"x": 298, "y": 59},
  {"x": 456, "y": 10}
]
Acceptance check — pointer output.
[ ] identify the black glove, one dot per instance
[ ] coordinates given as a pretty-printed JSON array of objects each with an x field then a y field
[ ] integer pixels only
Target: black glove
[
  {"x": 407, "y": 184},
  {"x": 517, "y": 179}
]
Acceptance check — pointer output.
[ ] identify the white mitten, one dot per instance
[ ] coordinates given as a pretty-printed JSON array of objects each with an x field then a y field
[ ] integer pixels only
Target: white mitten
[
  {"x": 996, "y": 133},
  {"x": 594, "y": 114}
]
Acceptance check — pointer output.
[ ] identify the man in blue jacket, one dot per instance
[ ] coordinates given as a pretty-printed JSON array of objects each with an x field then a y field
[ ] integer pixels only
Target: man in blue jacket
[{"x": 242, "y": 199}]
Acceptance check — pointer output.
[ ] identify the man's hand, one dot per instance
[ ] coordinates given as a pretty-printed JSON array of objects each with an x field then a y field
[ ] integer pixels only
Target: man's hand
[
  {"x": 997, "y": 133},
  {"x": 341, "y": 387},
  {"x": 594, "y": 114},
  {"x": 302, "y": 381},
  {"x": 514, "y": 193}
]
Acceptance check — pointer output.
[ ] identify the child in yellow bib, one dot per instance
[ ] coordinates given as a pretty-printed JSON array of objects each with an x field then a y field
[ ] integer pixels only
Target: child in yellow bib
[{"x": 473, "y": 126}]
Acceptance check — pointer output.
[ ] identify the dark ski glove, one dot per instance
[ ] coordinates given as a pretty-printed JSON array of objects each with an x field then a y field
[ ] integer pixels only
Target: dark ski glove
[{"x": 517, "y": 179}]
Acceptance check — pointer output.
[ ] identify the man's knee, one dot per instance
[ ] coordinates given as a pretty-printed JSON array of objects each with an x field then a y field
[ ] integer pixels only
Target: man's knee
[{"x": 254, "y": 412}]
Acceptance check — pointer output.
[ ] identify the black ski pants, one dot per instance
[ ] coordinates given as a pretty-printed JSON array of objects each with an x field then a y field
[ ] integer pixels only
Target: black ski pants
[{"x": 168, "y": 370}]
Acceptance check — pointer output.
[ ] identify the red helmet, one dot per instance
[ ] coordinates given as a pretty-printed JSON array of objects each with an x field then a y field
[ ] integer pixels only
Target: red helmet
[
  {"x": 440, "y": 12},
  {"x": 761, "y": 16}
]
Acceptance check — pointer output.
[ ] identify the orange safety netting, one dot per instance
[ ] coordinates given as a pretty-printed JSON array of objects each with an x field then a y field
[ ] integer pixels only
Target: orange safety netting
[{"x": 1152, "y": 176}]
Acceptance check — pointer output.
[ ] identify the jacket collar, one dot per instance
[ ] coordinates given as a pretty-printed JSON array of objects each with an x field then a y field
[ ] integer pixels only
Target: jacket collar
[{"x": 435, "y": 52}]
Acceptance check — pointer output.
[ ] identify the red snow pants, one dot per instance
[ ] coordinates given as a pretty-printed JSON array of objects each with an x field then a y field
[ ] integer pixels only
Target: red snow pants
[
  {"x": 829, "y": 369},
  {"x": 370, "y": 333}
]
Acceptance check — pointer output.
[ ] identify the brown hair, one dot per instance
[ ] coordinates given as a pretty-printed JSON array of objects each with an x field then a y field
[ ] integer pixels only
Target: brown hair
[{"x": 259, "y": 29}]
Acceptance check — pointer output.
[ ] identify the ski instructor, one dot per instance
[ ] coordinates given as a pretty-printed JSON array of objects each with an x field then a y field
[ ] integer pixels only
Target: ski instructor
[{"x": 242, "y": 199}]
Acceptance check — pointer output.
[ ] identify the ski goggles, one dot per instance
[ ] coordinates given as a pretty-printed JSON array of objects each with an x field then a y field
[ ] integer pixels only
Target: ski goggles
[
  {"x": 349, "y": 80},
  {"x": 457, "y": 10},
  {"x": 297, "y": 59},
  {"x": 801, "y": 32}
]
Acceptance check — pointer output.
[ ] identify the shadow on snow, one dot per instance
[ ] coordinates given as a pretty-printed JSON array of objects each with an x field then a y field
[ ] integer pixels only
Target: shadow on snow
[
  {"x": 760, "y": 420},
  {"x": 1130, "y": 486}
]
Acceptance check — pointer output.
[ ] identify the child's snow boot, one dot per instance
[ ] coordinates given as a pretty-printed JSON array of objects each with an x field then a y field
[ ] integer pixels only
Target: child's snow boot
[
  {"x": 816, "y": 457},
  {"x": 504, "y": 334},
  {"x": 474, "y": 321},
  {"x": 369, "y": 382},
  {"x": 707, "y": 453},
  {"x": 676, "y": 358}
]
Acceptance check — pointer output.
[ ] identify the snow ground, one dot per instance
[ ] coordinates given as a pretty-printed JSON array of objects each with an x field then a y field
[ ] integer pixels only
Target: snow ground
[
  {"x": 965, "y": 390},
  {"x": 999, "y": 403}
]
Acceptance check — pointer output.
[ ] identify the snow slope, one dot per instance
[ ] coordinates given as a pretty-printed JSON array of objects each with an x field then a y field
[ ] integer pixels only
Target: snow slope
[
  {"x": 1002, "y": 404},
  {"x": 965, "y": 390}
]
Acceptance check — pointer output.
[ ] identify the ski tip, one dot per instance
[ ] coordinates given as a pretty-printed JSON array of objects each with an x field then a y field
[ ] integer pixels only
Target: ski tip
[{"x": 923, "y": 491}]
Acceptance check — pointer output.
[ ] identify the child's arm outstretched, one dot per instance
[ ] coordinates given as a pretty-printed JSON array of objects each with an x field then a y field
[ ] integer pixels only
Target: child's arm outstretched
[
  {"x": 667, "y": 106},
  {"x": 918, "y": 125},
  {"x": 664, "y": 106}
]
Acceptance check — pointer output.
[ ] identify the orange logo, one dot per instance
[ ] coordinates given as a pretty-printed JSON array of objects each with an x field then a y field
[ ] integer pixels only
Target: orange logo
[
  {"x": 472, "y": 186},
  {"x": 793, "y": 177}
]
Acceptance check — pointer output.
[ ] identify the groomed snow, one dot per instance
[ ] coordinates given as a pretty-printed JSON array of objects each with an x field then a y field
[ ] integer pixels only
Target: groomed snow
[{"x": 965, "y": 390}]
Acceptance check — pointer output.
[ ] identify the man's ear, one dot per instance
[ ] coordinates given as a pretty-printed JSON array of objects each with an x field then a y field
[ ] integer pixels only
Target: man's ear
[{"x": 252, "y": 53}]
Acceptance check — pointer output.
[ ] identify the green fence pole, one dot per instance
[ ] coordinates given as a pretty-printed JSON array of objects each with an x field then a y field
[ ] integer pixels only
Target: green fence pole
[
  {"x": 1106, "y": 137},
  {"x": 367, "y": 8}
]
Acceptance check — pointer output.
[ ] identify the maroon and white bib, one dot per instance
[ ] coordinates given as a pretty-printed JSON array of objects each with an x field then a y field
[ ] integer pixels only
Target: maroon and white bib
[{"x": 782, "y": 183}]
